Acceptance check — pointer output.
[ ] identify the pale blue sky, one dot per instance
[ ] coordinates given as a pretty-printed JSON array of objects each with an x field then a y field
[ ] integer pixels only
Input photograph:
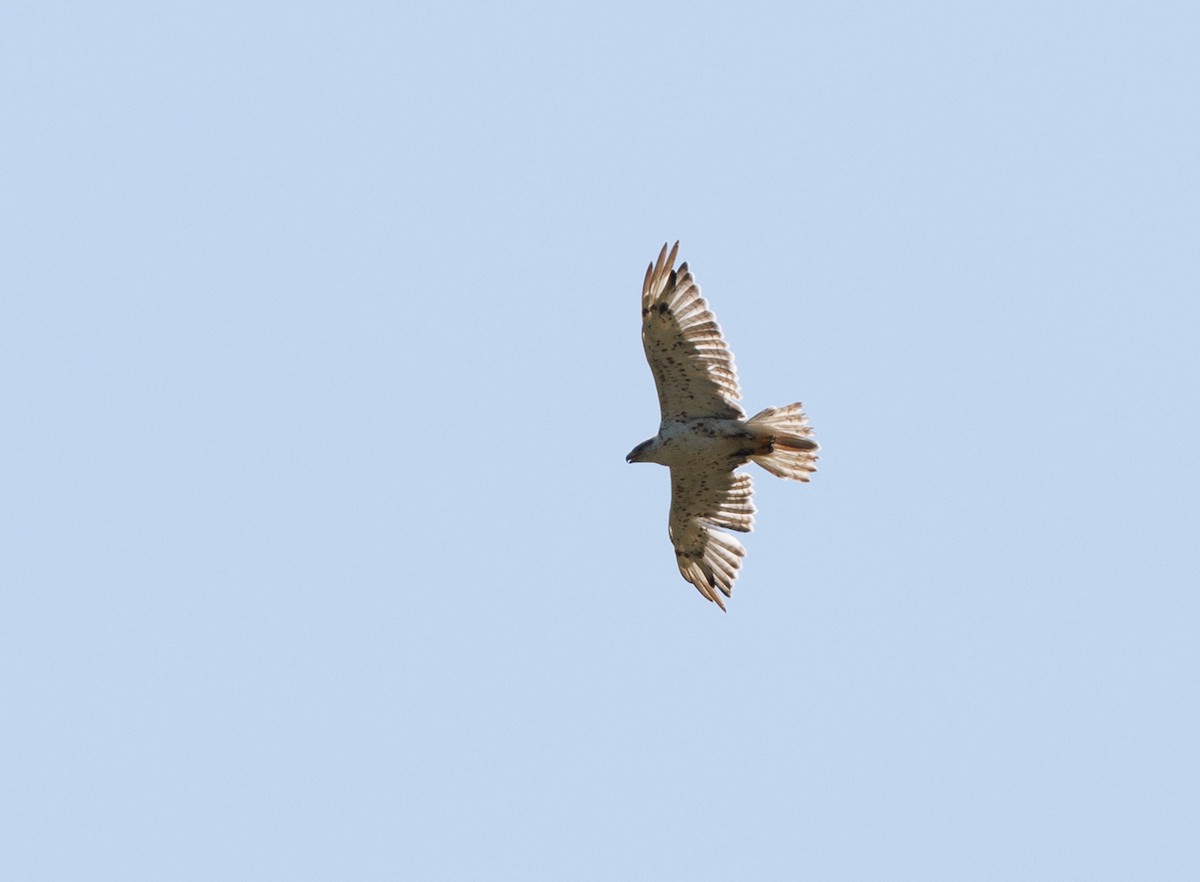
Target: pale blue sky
[{"x": 320, "y": 362}]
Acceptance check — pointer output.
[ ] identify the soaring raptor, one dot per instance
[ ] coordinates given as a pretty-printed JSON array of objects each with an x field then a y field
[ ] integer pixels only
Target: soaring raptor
[{"x": 704, "y": 435}]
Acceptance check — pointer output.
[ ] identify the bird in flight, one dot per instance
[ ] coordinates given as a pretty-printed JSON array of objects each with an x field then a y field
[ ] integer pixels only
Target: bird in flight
[{"x": 704, "y": 435}]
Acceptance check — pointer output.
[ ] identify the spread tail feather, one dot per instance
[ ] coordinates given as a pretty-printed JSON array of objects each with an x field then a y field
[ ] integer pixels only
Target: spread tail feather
[{"x": 791, "y": 452}]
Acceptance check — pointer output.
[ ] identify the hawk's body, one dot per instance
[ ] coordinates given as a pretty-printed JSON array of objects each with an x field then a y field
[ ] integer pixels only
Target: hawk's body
[{"x": 704, "y": 435}]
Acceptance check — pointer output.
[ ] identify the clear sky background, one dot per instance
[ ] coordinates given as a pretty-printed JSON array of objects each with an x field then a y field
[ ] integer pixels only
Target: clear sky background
[{"x": 321, "y": 357}]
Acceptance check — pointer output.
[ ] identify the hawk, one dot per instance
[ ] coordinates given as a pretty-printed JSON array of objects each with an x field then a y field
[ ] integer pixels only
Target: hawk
[{"x": 704, "y": 435}]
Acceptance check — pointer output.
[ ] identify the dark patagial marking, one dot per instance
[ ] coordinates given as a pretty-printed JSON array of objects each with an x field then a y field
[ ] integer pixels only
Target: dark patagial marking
[{"x": 663, "y": 309}]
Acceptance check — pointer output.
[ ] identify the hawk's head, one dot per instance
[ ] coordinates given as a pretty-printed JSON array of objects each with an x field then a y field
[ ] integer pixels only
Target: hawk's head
[{"x": 638, "y": 454}]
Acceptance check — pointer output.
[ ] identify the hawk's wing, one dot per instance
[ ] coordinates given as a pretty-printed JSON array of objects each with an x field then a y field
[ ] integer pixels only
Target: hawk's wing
[
  {"x": 704, "y": 497},
  {"x": 692, "y": 366}
]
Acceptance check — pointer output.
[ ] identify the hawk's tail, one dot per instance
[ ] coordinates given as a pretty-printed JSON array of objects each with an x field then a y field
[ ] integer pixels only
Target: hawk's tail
[{"x": 791, "y": 452}]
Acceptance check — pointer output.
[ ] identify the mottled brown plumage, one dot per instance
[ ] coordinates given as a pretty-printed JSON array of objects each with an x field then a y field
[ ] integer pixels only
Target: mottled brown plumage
[{"x": 703, "y": 435}]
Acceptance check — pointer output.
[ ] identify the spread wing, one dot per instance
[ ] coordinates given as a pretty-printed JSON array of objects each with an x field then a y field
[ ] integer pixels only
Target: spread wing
[
  {"x": 706, "y": 497},
  {"x": 693, "y": 368}
]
